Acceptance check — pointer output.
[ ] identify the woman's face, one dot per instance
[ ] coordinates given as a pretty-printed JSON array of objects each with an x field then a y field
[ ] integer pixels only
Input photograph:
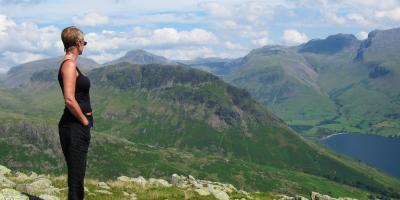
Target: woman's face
[{"x": 81, "y": 45}]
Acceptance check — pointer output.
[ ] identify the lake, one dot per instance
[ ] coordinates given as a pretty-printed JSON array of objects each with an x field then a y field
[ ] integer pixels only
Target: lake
[{"x": 380, "y": 152}]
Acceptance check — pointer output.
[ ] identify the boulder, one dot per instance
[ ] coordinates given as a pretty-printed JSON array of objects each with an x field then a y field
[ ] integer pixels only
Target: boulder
[
  {"x": 318, "y": 196},
  {"x": 103, "y": 192},
  {"x": 21, "y": 177},
  {"x": 125, "y": 179},
  {"x": 179, "y": 181},
  {"x": 159, "y": 182},
  {"x": 4, "y": 170},
  {"x": 217, "y": 193},
  {"x": 202, "y": 191},
  {"x": 9, "y": 193},
  {"x": 39, "y": 185},
  {"x": 140, "y": 181},
  {"x": 33, "y": 175},
  {"x": 5, "y": 182},
  {"x": 103, "y": 185}
]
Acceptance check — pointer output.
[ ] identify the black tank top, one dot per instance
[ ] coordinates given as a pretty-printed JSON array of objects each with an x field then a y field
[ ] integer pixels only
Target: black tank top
[{"x": 82, "y": 88}]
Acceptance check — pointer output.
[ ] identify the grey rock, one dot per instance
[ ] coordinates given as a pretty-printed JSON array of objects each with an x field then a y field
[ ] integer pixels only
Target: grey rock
[
  {"x": 179, "y": 181},
  {"x": 125, "y": 193},
  {"x": 40, "y": 185},
  {"x": 5, "y": 182},
  {"x": 4, "y": 170},
  {"x": 103, "y": 192},
  {"x": 218, "y": 194},
  {"x": 202, "y": 191},
  {"x": 159, "y": 182},
  {"x": 103, "y": 185},
  {"x": 21, "y": 177},
  {"x": 9, "y": 193},
  {"x": 140, "y": 181},
  {"x": 125, "y": 179}
]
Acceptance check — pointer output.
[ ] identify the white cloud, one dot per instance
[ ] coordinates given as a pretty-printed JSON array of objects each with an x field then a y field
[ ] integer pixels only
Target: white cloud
[
  {"x": 358, "y": 18},
  {"x": 108, "y": 45},
  {"x": 372, "y": 3},
  {"x": 216, "y": 9},
  {"x": 102, "y": 57},
  {"x": 261, "y": 41},
  {"x": 294, "y": 37},
  {"x": 90, "y": 19},
  {"x": 5, "y": 23},
  {"x": 20, "y": 2},
  {"x": 22, "y": 57},
  {"x": 392, "y": 14},
  {"x": 161, "y": 18},
  {"x": 234, "y": 46},
  {"x": 26, "y": 41},
  {"x": 362, "y": 35},
  {"x": 148, "y": 38},
  {"x": 334, "y": 18},
  {"x": 364, "y": 13},
  {"x": 186, "y": 53},
  {"x": 246, "y": 22}
]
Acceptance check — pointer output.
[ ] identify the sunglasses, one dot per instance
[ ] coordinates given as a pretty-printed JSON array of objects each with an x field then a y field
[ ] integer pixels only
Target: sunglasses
[{"x": 84, "y": 43}]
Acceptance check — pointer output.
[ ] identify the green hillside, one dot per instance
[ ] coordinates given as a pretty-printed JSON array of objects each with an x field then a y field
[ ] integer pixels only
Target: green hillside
[
  {"x": 337, "y": 84},
  {"x": 155, "y": 120}
]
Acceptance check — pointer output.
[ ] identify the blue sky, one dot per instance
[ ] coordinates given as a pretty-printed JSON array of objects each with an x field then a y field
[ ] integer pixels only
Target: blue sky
[{"x": 181, "y": 29}]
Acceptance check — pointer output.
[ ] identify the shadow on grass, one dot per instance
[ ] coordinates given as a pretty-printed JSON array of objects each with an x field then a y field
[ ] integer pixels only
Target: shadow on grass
[{"x": 31, "y": 197}]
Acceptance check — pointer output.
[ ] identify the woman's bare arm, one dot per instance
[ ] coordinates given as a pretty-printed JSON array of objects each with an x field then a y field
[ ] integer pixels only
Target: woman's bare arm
[{"x": 68, "y": 72}]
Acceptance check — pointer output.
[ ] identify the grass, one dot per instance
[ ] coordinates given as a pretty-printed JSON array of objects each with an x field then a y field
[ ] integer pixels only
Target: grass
[{"x": 157, "y": 132}]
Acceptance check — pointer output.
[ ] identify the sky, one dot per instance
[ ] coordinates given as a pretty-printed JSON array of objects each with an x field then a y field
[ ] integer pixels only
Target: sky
[{"x": 181, "y": 29}]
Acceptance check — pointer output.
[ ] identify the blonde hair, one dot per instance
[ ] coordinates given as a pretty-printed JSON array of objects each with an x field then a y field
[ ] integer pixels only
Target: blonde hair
[{"x": 70, "y": 36}]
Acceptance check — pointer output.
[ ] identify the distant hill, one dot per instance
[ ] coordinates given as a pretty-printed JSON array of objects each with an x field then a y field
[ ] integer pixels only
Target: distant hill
[
  {"x": 217, "y": 66},
  {"x": 332, "y": 44},
  {"x": 325, "y": 86},
  {"x": 139, "y": 56},
  {"x": 155, "y": 120},
  {"x": 19, "y": 75}
]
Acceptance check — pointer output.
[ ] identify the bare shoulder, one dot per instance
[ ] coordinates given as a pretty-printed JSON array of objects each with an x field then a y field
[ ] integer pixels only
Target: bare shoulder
[{"x": 68, "y": 67}]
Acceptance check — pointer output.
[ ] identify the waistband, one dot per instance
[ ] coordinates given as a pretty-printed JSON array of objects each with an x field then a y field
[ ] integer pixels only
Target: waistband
[{"x": 68, "y": 117}]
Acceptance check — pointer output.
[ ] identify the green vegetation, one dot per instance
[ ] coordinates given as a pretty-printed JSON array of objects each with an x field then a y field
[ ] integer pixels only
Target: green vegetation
[
  {"x": 320, "y": 90},
  {"x": 155, "y": 120}
]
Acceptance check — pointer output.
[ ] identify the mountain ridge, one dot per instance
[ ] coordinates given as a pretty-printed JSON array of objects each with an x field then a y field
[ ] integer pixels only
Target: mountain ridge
[{"x": 139, "y": 56}]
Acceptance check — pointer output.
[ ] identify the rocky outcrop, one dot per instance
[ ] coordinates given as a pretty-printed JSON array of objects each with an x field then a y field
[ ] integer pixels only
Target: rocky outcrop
[
  {"x": 203, "y": 187},
  {"x": 317, "y": 196},
  {"x": 18, "y": 185}
]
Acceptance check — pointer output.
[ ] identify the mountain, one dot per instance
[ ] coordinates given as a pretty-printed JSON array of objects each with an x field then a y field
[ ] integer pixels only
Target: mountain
[
  {"x": 155, "y": 120},
  {"x": 284, "y": 81},
  {"x": 325, "y": 86},
  {"x": 139, "y": 56},
  {"x": 331, "y": 45},
  {"x": 217, "y": 66},
  {"x": 2, "y": 77},
  {"x": 20, "y": 75}
]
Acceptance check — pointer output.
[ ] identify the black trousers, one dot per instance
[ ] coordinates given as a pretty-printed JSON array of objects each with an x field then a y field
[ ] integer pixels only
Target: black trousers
[{"x": 75, "y": 140}]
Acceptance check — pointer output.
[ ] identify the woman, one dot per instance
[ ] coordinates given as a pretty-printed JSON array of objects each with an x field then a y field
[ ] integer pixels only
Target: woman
[{"x": 74, "y": 125}]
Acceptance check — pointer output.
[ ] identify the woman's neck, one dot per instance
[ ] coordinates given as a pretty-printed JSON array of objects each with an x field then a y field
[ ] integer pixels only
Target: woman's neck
[{"x": 71, "y": 55}]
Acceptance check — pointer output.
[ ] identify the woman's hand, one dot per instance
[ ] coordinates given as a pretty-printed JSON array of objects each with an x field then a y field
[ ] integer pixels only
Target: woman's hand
[{"x": 86, "y": 122}]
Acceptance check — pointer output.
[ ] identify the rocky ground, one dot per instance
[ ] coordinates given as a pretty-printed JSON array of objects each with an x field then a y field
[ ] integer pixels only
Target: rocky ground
[{"x": 21, "y": 186}]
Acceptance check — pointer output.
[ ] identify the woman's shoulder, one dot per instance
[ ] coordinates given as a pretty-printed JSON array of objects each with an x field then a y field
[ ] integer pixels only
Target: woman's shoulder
[{"x": 67, "y": 66}]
